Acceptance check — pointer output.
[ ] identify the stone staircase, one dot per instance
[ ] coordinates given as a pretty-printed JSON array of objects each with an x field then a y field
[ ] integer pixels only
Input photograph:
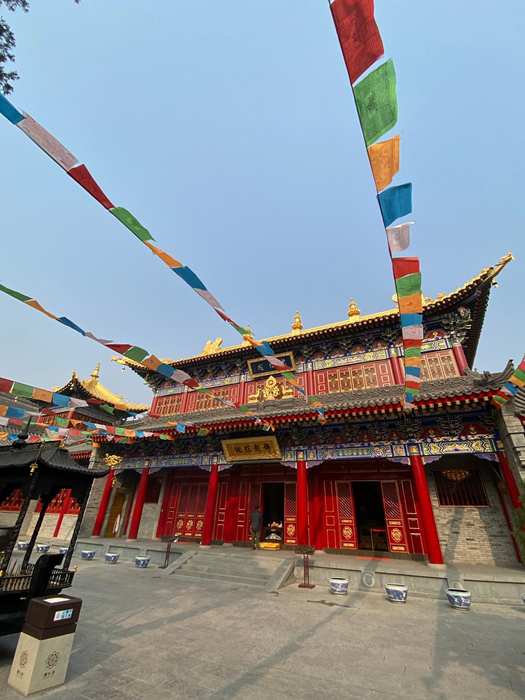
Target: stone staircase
[{"x": 247, "y": 568}]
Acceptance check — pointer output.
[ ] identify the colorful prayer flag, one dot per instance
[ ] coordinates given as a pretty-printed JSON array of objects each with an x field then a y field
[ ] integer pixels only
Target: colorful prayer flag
[
  {"x": 384, "y": 161},
  {"x": 358, "y": 34},
  {"x": 376, "y": 102},
  {"x": 399, "y": 237},
  {"x": 395, "y": 202}
]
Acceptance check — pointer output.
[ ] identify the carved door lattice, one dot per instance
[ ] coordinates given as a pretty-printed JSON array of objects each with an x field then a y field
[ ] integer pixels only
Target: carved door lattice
[
  {"x": 189, "y": 519},
  {"x": 346, "y": 521},
  {"x": 395, "y": 527},
  {"x": 290, "y": 513}
]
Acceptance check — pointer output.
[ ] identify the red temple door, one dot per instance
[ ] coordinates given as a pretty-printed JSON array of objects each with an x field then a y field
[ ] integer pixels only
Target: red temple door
[
  {"x": 397, "y": 540},
  {"x": 290, "y": 513},
  {"x": 249, "y": 496},
  {"x": 190, "y": 509},
  {"x": 416, "y": 543},
  {"x": 346, "y": 529},
  {"x": 220, "y": 510}
]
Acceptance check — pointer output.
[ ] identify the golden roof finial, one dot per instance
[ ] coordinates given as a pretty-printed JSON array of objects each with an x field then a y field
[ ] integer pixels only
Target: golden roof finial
[
  {"x": 297, "y": 325},
  {"x": 353, "y": 311},
  {"x": 249, "y": 334},
  {"x": 96, "y": 372}
]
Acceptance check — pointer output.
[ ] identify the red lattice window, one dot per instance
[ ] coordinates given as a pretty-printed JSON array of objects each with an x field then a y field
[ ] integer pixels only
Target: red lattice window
[
  {"x": 391, "y": 500},
  {"x": 14, "y": 501},
  {"x": 460, "y": 488},
  {"x": 153, "y": 490},
  {"x": 290, "y": 501},
  {"x": 344, "y": 499},
  {"x": 169, "y": 405}
]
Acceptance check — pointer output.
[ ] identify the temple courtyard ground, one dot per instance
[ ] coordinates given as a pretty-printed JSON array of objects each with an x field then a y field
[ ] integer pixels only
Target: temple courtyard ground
[{"x": 143, "y": 635}]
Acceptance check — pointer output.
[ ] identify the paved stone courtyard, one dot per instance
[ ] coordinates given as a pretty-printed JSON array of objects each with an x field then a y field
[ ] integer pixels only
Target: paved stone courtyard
[{"x": 141, "y": 635}]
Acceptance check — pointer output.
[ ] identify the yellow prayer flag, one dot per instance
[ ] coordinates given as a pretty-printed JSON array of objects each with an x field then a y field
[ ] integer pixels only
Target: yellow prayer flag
[
  {"x": 412, "y": 362},
  {"x": 36, "y": 305},
  {"x": 411, "y": 305},
  {"x": 384, "y": 161},
  {"x": 43, "y": 395}
]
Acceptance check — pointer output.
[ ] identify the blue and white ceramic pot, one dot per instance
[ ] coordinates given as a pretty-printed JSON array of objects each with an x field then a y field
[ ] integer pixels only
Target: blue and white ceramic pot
[
  {"x": 111, "y": 558},
  {"x": 338, "y": 585},
  {"x": 523, "y": 597},
  {"x": 87, "y": 553},
  {"x": 23, "y": 545},
  {"x": 142, "y": 562},
  {"x": 459, "y": 598},
  {"x": 63, "y": 550},
  {"x": 396, "y": 592},
  {"x": 42, "y": 548}
]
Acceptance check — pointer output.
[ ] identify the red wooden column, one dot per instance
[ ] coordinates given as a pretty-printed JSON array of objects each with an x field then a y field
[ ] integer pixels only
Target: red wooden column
[
  {"x": 211, "y": 500},
  {"x": 425, "y": 504},
  {"x": 102, "y": 509},
  {"x": 510, "y": 481},
  {"x": 63, "y": 511},
  {"x": 139, "y": 505},
  {"x": 459, "y": 356},
  {"x": 302, "y": 502}
]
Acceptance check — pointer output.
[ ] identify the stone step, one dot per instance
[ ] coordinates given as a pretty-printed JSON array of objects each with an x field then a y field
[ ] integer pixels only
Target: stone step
[
  {"x": 226, "y": 571},
  {"x": 249, "y": 559},
  {"x": 247, "y": 566},
  {"x": 200, "y": 575}
]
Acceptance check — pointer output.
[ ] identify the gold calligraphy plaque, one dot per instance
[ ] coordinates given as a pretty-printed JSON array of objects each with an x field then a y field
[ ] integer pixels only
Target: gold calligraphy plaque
[{"x": 254, "y": 448}]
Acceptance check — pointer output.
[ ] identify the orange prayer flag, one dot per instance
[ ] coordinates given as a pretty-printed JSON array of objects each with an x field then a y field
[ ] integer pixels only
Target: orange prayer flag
[
  {"x": 43, "y": 395},
  {"x": 129, "y": 433},
  {"x": 171, "y": 262},
  {"x": 151, "y": 362},
  {"x": 412, "y": 304},
  {"x": 3, "y": 410},
  {"x": 36, "y": 305},
  {"x": 384, "y": 161},
  {"x": 3, "y": 436}
]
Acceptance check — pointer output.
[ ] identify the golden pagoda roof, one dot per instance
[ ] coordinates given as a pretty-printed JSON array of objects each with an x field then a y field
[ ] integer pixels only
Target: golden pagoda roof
[
  {"x": 355, "y": 322},
  {"x": 96, "y": 390}
]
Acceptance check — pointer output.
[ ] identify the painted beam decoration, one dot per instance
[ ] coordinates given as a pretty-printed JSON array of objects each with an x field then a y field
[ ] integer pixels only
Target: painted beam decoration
[
  {"x": 79, "y": 172},
  {"x": 376, "y": 102}
]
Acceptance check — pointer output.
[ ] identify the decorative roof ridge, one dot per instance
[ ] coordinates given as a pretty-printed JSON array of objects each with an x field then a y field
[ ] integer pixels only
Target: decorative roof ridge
[
  {"x": 96, "y": 390},
  {"x": 354, "y": 323}
]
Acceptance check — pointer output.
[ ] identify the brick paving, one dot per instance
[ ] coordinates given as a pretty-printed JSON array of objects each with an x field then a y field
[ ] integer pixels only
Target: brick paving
[{"x": 141, "y": 635}]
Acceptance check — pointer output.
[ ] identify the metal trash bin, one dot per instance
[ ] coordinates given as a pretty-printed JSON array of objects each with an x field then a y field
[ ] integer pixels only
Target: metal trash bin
[{"x": 45, "y": 643}]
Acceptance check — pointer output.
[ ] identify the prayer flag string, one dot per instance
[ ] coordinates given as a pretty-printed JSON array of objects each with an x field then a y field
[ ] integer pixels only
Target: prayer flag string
[
  {"x": 376, "y": 103},
  {"x": 511, "y": 387},
  {"x": 79, "y": 172}
]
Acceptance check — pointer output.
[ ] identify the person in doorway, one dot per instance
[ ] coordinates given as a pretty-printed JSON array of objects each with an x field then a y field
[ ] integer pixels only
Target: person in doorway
[{"x": 256, "y": 525}]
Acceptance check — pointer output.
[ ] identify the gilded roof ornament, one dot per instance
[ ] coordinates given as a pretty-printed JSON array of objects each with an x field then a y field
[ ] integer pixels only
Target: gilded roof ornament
[
  {"x": 297, "y": 325},
  {"x": 353, "y": 311},
  {"x": 248, "y": 335},
  {"x": 212, "y": 347}
]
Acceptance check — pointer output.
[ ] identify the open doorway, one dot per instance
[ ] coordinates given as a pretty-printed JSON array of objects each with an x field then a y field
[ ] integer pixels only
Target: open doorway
[
  {"x": 273, "y": 511},
  {"x": 370, "y": 515}
]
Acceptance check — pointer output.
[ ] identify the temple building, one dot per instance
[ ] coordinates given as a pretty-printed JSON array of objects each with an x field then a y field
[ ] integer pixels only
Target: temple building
[
  {"x": 104, "y": 407},
  {"x": 438, "y": 482}
]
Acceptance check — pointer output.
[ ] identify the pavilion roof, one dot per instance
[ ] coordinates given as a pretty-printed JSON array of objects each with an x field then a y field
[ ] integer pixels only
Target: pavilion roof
[
  {"x": 22, "y": 455},
  {"x": 92, "y": 388}
]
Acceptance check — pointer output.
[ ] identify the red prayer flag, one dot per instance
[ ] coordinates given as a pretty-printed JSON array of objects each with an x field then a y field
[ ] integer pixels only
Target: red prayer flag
[
  {"x": 404, "y": 266},
  {"x": 358, "y": 34},
  {"x": 6, "y": 385},
  {"x": 84, "y": 178},
  {"x": 121, "y": 348}
]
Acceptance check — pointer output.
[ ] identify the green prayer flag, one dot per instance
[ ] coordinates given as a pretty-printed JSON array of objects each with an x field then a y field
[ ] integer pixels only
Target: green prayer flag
[
  {"x": 408, "y": 285},
  {"x": 240, "y": 329},
  {"x": 61, "y": 422},
  {"x": 202, "y": 431},
  {"x": 288, "y": 375},
  {"x": 120, "y": 431},
  {"x": 376, "y": 102},
  {"x": 108, "y": 409},
  {"x": 137, "y": 354},
  {"x": 125, "y": 217},
  {"x": 24, "y": 390},
  {"x": 244, "y": 408},
  {"x": 266, "y": 427},
  {"x": 412, "y": 352},
  {"x": 12, "y": 293},
  {"x": 519, "y": 374}
]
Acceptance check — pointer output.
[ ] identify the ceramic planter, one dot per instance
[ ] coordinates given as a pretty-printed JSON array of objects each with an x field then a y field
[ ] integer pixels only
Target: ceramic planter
[
  {"x": 22, "y": 545},
  {"x": 141, "y": 562},
  {"x": 396, "y": 592},
  {"x": 87, "y": 554},
  {"x": 63, "y": 550},
  {"x": 338, "y": 585},
  {"x": 459, "y": 598},
  {"x": 42, "y": 548},
  {"x": 111, "y": 558}
]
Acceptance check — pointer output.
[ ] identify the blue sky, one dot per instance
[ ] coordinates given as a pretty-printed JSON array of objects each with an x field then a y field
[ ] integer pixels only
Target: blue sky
[{"x": 229, "y": 130}]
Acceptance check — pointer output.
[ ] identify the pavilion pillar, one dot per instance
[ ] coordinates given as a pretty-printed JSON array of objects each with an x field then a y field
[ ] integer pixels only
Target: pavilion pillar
[
  {"x": 139, "y": 505},
  {"x": 302, "y": 503},
  {"x": 20, "y": 519},
  {"x": 36, "y": 530},
  {"x": 63, "y": 511},
  {"x": 427, "y": 514},
  {"x": 211, "y": 500},
  {"x": 102, "y": 509},
  {"x": 510, "y": 481},
  {"x": 76, "y": 531},
  {"x": 459, "y": 356}
]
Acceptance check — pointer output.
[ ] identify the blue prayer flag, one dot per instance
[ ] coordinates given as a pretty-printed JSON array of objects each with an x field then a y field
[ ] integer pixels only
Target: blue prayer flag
[
  {"x": 70, "y": 324},
  {"x": 411, "y": 320},
  {"x": 189, "y": 277},
  {"x": 10, "y": 111},
  {"x": 395, "y": 202},
  {"x": 60, "y": 400}
]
